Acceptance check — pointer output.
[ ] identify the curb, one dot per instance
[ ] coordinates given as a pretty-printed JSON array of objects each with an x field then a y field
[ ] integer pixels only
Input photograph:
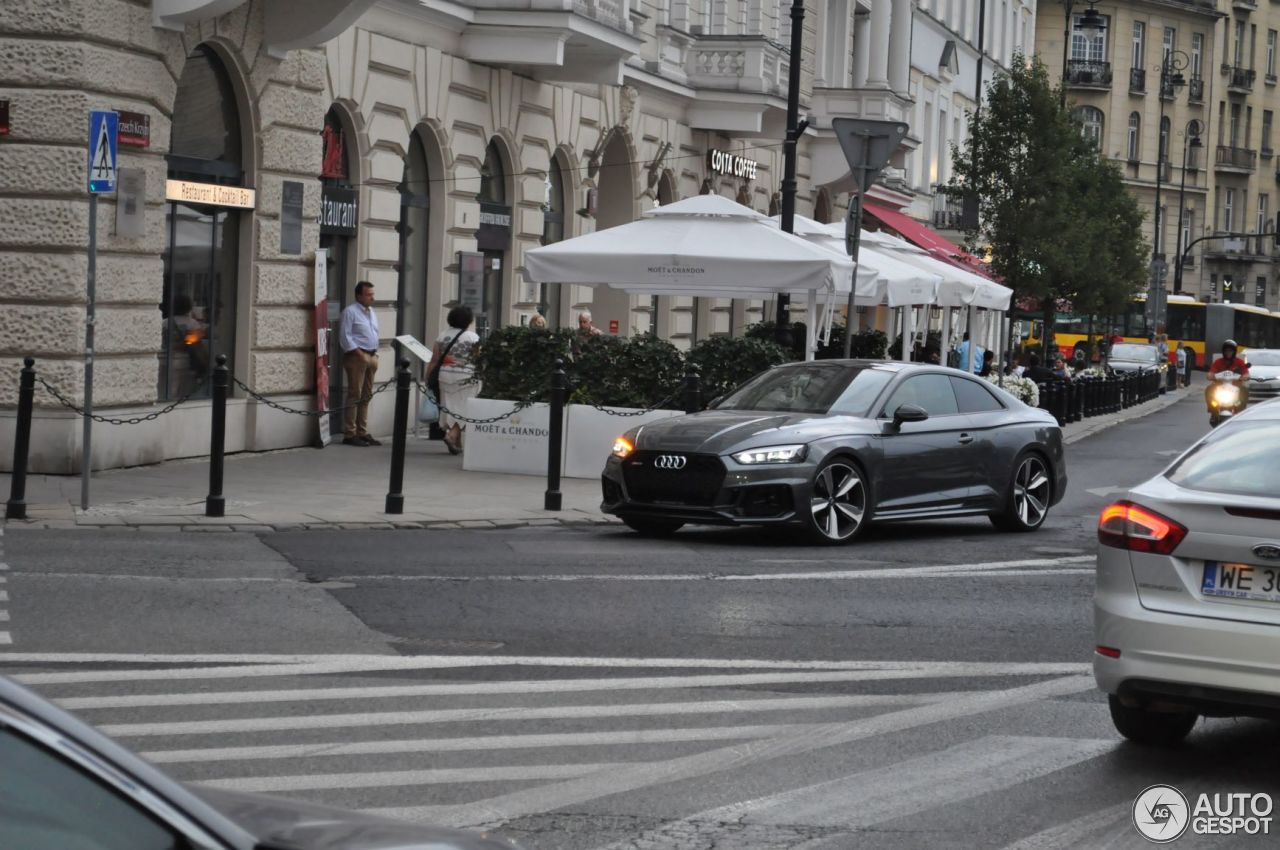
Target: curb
[
  {"x": 185, "y": 524},
  {"x": 1168, "y": 400}
]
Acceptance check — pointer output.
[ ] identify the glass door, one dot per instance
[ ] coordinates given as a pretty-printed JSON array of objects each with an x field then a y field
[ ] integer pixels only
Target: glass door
[{"x": 336, "y": 298}]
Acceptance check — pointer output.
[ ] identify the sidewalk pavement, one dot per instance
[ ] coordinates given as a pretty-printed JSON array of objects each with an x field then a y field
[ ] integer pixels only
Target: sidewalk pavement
[{"x": 345, "y": 487}]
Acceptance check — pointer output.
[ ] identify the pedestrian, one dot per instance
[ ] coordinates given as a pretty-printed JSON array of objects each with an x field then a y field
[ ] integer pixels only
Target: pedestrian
[
  {"x": 537, "y": 322},
  {"x": 962, "y": 351},
  {"x": 358, "y": 337},
  {"x": 1182, "y": 367},
  {"x": 1060, "y": 370},
  {"x": 988, "y": 364},
  {"x": 1036, "y": 372},
  {"x": 1191, "y": 364},
  {"x": 455, "y": 377},
  {"x": 586, "y": 329}
]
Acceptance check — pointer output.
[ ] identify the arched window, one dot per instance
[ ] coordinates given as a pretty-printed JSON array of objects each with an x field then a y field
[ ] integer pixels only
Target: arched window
[
  {"x": 493, "y": 177},
  {"x": 1091, "y": 120},
  {"x": 1164, "y": 138},
  {"x": 1135, "y": 137},
  {"x": 202, "y": 251},
  {"x": 553, "y": 230},
  {"x": 493, "y": 239}
]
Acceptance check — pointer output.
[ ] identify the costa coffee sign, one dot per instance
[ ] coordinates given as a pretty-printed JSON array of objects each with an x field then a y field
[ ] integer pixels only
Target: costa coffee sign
[{"x": 723, "y": 162}]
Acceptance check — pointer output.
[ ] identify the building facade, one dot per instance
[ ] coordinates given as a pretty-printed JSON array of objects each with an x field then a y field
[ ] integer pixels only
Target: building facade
[
  {"x": 1223, "y": 189},
  {"x": 275, "y": 153}
]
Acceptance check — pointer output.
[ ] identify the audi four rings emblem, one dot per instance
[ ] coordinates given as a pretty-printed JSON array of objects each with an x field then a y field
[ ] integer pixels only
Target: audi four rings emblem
[
  {"x": 1268, "y": 551},
  {"x": 670, "y": 461}
]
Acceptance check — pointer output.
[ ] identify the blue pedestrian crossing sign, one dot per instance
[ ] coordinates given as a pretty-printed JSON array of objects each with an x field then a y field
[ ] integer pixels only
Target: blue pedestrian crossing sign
[{"x": 102, "y": 151}]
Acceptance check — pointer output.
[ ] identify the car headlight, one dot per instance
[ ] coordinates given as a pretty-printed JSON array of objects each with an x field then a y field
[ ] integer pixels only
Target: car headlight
[
  {"x": 622, "y": 447},
  {"x": 1226, "y": 395},
  {"x": 771, "y": 454}
]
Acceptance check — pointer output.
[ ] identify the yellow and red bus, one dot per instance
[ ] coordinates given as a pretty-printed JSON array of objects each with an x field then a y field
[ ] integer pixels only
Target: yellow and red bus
[{"x": 1199, "y": 326}]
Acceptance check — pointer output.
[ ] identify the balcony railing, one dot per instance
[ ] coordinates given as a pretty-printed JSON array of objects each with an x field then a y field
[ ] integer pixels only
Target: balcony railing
[
  {"x": 1195, "y": 90},
  {"x": 1244, "y": 5},
  {"x": 1241, "y": 158},
  {"x": 1137, "y": 80},
  {"x": 1087, "y": 74},
  {"x": 744, "y": 63},
  {"x": 1239, "y": 79}
]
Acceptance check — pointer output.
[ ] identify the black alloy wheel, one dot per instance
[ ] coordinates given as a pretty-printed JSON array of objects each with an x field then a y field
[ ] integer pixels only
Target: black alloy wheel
[
  {"x": 838, "y": 503},
  {"x": 1027, "y": 502}
]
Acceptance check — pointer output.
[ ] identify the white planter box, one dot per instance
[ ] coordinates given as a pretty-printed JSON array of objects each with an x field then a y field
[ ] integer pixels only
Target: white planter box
[
  {"x": 519, "y": 444},
  {"x": 592, "y": 432}
]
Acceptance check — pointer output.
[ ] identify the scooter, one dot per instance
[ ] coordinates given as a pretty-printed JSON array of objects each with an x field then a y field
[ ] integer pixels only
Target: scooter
[{"x": 1226, "y": 397}]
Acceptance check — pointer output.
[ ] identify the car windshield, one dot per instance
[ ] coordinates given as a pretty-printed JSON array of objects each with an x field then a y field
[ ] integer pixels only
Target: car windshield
[
  {"x": 810, "y": 388},
  {"x": 1132, "y": 351},
  {"x": 1242, "y": 459},
  {"x": 1263, "y": 358}
]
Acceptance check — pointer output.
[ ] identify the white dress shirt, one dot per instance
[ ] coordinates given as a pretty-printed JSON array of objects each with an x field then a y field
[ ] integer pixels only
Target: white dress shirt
[{"x": 359, "y": 328}]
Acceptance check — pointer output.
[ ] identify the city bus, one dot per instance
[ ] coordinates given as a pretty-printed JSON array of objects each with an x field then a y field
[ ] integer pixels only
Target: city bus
[{"x": 1194, "y": 324}]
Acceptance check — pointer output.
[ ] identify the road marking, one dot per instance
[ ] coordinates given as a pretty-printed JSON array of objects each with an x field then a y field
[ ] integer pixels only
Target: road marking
[
  {"x": 1171, "y": 452},
  {"x": 399, "y": 778},
  {"x": 1106, "y": 491},
  {"x": 327, "y": 664},
  {"x": 4, "y": 596},
  {"x": 941, "y": 570},
  {"x": 4, "y": 616},
  {"x": 883, "y": 794},
  {"x": 6, "y": 638},
  {"x": 1100, "y": 830},
  {"x": 546, "y": 798},
  {"x": 546, "y": 686},
  {"x": 470, "y": 715},
  {"x": 485, "y": 742}
]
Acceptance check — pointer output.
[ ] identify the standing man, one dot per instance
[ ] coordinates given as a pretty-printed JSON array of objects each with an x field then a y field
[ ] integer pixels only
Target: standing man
[
  {"x": 963, "y": 351},
  {"x": 358, "y": 336}
]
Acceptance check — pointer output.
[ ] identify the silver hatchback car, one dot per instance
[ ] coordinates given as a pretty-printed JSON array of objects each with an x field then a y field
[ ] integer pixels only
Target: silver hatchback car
[{"x": 1187, "y": 605}]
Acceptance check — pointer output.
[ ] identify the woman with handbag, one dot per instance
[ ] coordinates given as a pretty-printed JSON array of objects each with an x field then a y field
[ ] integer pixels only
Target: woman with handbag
[{"x": 453, "y": 379}]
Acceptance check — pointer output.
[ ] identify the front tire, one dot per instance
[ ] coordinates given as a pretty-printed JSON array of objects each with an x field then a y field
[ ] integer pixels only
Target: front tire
[
  {"x": 1151, "y": 728},
  {"x": 1030, "y": 491},
  {"x": 839, "y": 503},
  {"x": 653, "y": 527}
]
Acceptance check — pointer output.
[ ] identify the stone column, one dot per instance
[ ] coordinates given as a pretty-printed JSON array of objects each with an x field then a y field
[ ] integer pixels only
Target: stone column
[
  {"x": 900, "y": 46},
  {"x": 861, "y": 50},
  {"x": 878, "y": 70}
]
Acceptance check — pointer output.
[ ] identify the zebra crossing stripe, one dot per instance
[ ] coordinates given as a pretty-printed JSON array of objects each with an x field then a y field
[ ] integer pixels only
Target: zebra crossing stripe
[
  {"x": 519, "y": 713},
  {"x": 546, "y": 798},
  {"x": 1109, "y": 827},
  {"x": 399, "y": 778}
]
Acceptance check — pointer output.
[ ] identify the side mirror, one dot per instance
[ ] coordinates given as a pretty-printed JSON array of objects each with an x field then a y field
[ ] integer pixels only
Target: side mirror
[{"x": 909, "y": 413}]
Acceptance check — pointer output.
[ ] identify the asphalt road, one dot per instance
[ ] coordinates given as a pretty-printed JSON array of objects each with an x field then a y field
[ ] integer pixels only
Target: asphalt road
[{"x": 583, "y": 688}]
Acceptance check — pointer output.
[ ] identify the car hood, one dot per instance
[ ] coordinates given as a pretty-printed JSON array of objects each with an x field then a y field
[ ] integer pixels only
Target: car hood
[
  {"x": 1264, "y": 373},
  {"x": 1121, "y": 363},
  {"x": 279, "y": 823},
  {"x": 722, "y": 431}
]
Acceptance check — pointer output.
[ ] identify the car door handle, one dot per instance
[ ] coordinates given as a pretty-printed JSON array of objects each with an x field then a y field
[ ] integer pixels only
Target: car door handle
[{"x": 965, "y": 439}]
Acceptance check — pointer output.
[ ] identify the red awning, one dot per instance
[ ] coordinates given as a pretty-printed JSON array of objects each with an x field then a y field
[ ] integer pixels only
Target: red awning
[{"x": 920, "y": 235}]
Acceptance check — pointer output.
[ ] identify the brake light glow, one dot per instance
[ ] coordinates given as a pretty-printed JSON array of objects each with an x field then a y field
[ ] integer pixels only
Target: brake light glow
[{"x": 1126, "y": 525}]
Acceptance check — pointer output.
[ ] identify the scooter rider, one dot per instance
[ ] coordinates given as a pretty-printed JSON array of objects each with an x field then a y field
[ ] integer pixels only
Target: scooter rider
[{"x": 1229, "y": 362}]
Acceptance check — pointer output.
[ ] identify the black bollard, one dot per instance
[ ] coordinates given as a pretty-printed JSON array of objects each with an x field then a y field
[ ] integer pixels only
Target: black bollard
[
  {"x": 692, "y": 390},
  {"x": 16, "y": 507},
  {"x": 395, "y": 493},
  {"x": 214, "y": 504},
  {"x": 553, "y": 498}
]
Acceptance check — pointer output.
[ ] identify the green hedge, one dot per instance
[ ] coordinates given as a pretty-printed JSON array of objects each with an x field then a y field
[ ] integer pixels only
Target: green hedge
[{"x": 515, "y": 363}]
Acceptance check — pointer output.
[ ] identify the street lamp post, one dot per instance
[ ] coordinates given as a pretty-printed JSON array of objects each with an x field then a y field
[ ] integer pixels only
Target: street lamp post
[
  {"x": 1190, "y": 141},
  {"x": 795, "y": 128},
  {"x": 1171, "y": 67}
]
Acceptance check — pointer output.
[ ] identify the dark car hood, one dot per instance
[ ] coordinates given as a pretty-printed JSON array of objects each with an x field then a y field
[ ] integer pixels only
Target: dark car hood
[
  {"x": 722, "y": 431},
  {"x": 280, "y": 823}
]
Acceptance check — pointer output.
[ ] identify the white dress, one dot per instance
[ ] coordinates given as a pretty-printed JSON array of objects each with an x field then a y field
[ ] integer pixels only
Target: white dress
[{"x": 456, "y": 385}]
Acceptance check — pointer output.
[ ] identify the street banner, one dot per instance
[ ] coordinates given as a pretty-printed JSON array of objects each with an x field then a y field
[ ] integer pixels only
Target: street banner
[{"x": 321, "y": 294}]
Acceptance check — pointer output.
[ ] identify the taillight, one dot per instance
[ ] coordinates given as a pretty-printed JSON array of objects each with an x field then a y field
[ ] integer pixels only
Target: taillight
[{"x": 1125, "y": 525}]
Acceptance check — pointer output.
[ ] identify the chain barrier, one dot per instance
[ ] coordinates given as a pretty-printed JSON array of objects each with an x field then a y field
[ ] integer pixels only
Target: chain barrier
[
  {"x": 110, "y": 420},
  {"x": 662, "y": 405},
  {"x": 328, "y": 411},
  {"x": 520, "y": 405}
]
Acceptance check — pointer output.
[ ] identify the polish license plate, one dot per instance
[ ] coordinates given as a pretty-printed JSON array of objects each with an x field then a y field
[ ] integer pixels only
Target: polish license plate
[{"x": 1240, "y": 581}]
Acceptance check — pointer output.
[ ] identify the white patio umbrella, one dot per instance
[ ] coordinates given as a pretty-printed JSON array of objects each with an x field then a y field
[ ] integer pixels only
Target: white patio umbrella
[{"x": 702, "y": 246}]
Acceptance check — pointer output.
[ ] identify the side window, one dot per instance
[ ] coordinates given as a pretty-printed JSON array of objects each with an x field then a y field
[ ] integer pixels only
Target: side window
[
  {"x": 49, "y": 804},
  {"x": 932, "y": 392},
  {"x": 973, "y": 397}
]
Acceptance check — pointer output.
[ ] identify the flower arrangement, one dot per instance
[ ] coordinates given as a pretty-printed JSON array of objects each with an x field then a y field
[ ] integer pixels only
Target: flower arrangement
[
  {"x": 1092, "y": 372},
  {"x": 1023, "y": 389}
]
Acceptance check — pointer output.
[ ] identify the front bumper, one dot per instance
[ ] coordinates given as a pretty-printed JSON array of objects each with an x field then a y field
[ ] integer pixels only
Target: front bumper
[
  {"x": 768, "y": 495},
  {"x": 1221, "y": 667}
]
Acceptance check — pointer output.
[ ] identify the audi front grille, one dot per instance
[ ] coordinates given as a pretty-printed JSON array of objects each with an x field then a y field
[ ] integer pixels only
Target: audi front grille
[{"x": 673, "y": 478}]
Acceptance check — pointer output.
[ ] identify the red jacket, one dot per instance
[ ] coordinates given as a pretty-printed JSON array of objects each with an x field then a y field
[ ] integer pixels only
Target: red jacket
[{"x": 1237, "y": 365}]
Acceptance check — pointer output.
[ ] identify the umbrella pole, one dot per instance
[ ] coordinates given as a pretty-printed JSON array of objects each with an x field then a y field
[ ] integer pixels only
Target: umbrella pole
[
  {"x": 811, "y": 326},
  {"x": 945, "y": 344},
  {"x": 973, "y": 340},
  {"x": 908, "y": 332}
]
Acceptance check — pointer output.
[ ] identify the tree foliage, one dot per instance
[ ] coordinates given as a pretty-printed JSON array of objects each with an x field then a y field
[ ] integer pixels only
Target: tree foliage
[{"x": 1055, "y": 214}]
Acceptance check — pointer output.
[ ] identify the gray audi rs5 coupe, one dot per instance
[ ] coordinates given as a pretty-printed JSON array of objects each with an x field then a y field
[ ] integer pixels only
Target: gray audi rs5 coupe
[{"x": 830, "y": 446}]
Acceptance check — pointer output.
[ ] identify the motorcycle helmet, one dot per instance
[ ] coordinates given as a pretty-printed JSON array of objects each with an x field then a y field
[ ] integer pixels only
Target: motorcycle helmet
[{"x": 1229, "y": 344}]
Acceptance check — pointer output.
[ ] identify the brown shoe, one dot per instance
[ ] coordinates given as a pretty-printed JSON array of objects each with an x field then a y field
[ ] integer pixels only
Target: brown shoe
[
  {"x": 354, "y": 441},
  {"x": 370, "y": 441}
]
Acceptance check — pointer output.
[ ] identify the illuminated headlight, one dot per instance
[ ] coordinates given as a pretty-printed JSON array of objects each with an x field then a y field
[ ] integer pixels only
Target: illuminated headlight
[
  {"x": 771, "y": 454},
  {"x": 622, "y": 447},
  {"x": 1226, "y": 395}
]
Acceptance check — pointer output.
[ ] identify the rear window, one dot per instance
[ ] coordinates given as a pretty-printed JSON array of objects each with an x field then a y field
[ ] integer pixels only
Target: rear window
[
  {"x": 973, "y": 397},
  {"x": 1130, "y": 351},
  {"x": 1242, "y": 458}
]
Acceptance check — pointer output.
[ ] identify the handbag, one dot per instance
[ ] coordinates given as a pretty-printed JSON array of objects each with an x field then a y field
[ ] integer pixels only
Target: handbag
[
  {"x": 428, "y": 410},
  {"x": 433, "y": 377}
]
